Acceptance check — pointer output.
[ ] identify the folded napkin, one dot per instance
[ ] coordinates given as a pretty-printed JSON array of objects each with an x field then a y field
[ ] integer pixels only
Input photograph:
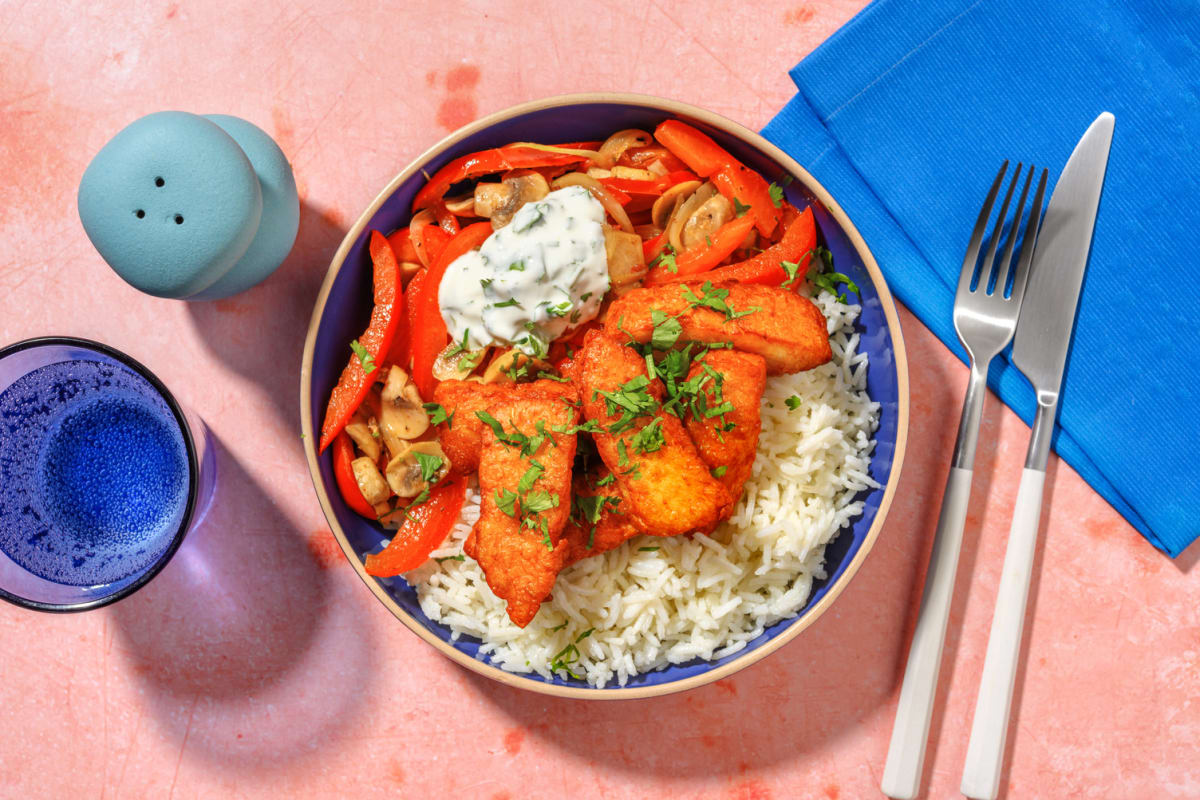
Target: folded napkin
[{"x": 906, "y": 113}]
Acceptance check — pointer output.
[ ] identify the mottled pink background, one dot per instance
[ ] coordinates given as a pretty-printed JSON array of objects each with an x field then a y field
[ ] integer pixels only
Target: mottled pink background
[{"x": 257, "y": 665}]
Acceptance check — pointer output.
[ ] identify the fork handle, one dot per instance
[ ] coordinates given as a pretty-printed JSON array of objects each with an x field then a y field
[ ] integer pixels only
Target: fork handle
[
  {"x": 985, "y": 751},
  {"x": 906, "y": 753}
]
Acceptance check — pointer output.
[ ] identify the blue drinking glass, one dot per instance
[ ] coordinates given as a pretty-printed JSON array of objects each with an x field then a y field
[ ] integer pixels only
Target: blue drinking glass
[{"x": 102, "y": 473}]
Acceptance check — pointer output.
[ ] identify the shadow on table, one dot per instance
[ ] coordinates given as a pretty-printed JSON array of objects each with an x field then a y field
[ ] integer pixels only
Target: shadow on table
[
  {"x": 260, "y": 332},
  {"x": 232, "y": 641}
]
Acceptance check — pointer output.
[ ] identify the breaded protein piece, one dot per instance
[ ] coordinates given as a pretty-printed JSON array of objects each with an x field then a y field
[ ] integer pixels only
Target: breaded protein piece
[
  {"x": 611, "y": 526},
  {"x": 666, "y": 491},
  {"x": 787, "y": 330},
  {"x": 729, "y": 440},
  {"x": 461, "y": 436},
  {"x": 522, "y": 552}
]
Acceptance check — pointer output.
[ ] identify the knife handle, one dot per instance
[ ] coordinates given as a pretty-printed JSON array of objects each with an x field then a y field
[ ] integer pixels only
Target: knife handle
[
  {"x": 985, "y": 751},
  {"x": 906, "y": 753}
]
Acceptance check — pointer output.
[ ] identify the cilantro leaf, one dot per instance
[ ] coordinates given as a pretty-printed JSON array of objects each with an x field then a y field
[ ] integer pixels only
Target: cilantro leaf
[
  {"x": 650, "y": 439},
  {"x": 550, "y": 376},
  {"x": 666, "y": 259},
  {"x": 739, "y": 208},
  {"x": 530, "y": 477},
  {"x": 647, "y": 549},
  {"x": 776, "y": 192},
  {"x": 536, "y": 215},
  {"x": 506, "y": 501},
  {"x": 667, "y": 330},
  {"x": 517, "y": 266},
  {"x": 437, "y": 414},
  {"x": 538, "y": 501},
  {"x": 719, "y": 472},
  {"x": 510, "y": 302},
  {"x": 793, "y": 402},
  {"x": 459, "y": 557},
  {"x": 430, "y": 465}
]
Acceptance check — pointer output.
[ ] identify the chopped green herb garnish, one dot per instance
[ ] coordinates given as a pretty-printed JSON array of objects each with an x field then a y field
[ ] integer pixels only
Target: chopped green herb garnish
[
  {"x": 364, "y": 357},
  {"x": 666, "y": 259},
  {"x": 506, "y": 501},
  {"x": 538, "y": 214},
  {"x": 560, "y": 310},
  {"x": 667, "y": 330},
  {"x": 823, "y": 277},
  {"x": 776, "y": 192},
  {"x": 516, "y": 266},
  {"x": 715, "y": 299},
  {"x": 793, "y": 402},
  {"x": 649, "y": 439},
  {"x": 607, "y": 480},
  {"x": 558, "y": 627},
  {"x": 430, "y": 465},
  {"x": 584, "y": 635},
  {"x": 647, "y": 549},
  {"x": 538, "y": 501},
  {"x": 791, "y": 268},
  {"x": 510, "y": 302},
  {"x": 719, "y": 472},
  {"x": 530, "y": 477},
  {"x": 591, "y": 426},
  {"x": 550, "y": 376},
  {"x": 437, "y": 414},
  {"x": 739, "y": 208},
  {"x": 443, "y": 559},
  {"x": 485, "y": 282}
]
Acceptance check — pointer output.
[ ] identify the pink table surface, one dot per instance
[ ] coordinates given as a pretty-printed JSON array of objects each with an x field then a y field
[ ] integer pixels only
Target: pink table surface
[{"x": 257, "y": 664}]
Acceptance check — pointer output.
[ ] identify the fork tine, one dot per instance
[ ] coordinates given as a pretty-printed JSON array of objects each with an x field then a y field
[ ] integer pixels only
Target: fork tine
[
  {"x": 985, "y": 269},
  {"x": 968, "y": 267},
  {"x": 1014, "y": 233},
  {"x": 1031, "y": 233}
]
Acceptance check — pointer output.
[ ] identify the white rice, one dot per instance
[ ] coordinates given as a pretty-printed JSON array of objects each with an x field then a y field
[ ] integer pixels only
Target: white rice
[{"x": 707, "y": 596}]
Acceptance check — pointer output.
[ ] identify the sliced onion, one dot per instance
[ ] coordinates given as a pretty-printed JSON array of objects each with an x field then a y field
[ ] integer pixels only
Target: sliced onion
[
  {"x": 600, "y": 193},
  {"x": 591, "y": 155},
  {"x": 416, "y": 233}
]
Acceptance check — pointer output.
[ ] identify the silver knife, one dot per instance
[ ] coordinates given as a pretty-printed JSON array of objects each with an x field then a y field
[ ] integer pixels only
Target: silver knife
[{"x": 1040, "y": 352}]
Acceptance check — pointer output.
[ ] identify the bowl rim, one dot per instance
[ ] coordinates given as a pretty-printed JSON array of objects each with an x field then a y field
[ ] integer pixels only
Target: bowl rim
[{"x": 676, "y": 108}]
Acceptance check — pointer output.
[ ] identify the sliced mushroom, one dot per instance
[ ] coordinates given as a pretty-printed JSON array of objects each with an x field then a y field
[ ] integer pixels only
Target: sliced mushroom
[
  {"x": 626, "y": 261},
  {"x": 665, "y": 204},
  {"x": 456, "y": 364},
  {"x": 462, "y": 205},
  {"x": 632, "y": 173},
  {"x": 372, "y": 485},
  {"x": 359, "y": 429},
  {"x": 621, "y": 141},
  {"x": 705, "y": 220},
  {"x": 406, "y": 472},
  {"x": 683, "y": 212},
  {"x": 500, "y": 201},
  {"x": 510, "y": 361},
  {"x": 401, "y": 414}
]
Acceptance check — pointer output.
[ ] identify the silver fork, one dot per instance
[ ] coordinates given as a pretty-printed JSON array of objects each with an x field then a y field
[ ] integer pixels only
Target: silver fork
[{"x": 985, "y": 317}]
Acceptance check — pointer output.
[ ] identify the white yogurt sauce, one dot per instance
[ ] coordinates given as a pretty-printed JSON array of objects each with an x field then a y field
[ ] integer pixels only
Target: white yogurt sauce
[{"x": 532, "y": 280}]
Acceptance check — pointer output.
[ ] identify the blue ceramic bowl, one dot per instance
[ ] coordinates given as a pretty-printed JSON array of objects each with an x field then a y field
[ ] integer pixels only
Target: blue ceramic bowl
[{"x": 344, "y": 305}]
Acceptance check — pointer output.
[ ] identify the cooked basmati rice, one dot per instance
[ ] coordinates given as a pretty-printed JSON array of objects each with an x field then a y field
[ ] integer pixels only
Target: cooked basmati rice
[{"x": 700, "y": 597}]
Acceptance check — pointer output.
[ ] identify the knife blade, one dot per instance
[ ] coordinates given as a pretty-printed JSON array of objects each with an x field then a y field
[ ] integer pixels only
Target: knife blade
[
  {"x": 1052, "y": 293},
  {"x": 1040, "y": 351}
]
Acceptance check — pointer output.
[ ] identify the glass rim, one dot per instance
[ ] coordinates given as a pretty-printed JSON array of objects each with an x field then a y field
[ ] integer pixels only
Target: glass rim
[{"x": 193, "y": 471}]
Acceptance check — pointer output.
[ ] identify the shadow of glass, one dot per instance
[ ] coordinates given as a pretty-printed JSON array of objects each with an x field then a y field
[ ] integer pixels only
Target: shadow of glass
[
  {"x": 234, "y": 640},
  {"x": 260, "y": 332}
]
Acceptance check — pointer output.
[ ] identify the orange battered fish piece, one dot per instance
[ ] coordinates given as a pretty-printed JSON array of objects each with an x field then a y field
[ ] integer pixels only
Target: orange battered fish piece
[
  {"x": 525, "y": 488},
  {"x": 597, "y": 521},
  {"x": 665, "y": 486},
  {"x": 787, "y": 330},
  {"x": 729, "y": 440},
  {"x": 461, "y": 436}
]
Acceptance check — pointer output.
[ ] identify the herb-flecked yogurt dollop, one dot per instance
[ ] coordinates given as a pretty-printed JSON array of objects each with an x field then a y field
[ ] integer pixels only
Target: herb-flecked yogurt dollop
[{"x": 532, "y": 280}]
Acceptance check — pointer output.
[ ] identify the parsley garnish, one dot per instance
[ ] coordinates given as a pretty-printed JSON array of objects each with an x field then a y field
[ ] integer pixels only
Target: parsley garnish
[
  {"x": 517, "y": 266},
  {"x": 647, "y": 549},
  {"x": 364, "y": 357},
  {"x": 506, "y": 501},
  {"x": 459, "y": 557},
  {"x": 719, "y": 472},
  {"x": 791, "y": 268},
  {"x": 666, "y": 259},
  {"x": 793, "y": 402},
  {"x": 558, "y": 627},
  {"x": 650, "y": 439},
  {"x": 512, "y": 301},
  {"x": 606, "y": 480},
  {"x": 666, "y": 330},
  {"x": 823, "y": 276},
  {"x": 437, "y": 414},
  {"x": 429, "y": 465},
  {"x": 591, "y": 426},
  {"x": 739, "y": 208},
  {"x": 485, "y": 282},
  {"x": 550, "y": 376},
  {"x": 531, "y": 475},
  {"x": 715, "y": 299},
  {"x": 776, "y": 192}
]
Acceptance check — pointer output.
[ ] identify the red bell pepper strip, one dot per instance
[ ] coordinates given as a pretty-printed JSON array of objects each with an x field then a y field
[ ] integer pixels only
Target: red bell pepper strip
[
  {"x": 652, "y": 247},
  {"x": 354, "y": 383},
  {"x": 618, "y": 195},
  {"x": 702, "y": 258},
  {"x": 739, "y": 182},
  {"x": 766, "y": 268},
  {"x": 447, "y": 221},
  {"x": 343, "y": 473},
  {"x": 402, "y": 246},
  {"x": 424, "y": 528},
  {"x": 632, "y": 186},
  {"x": 702, "y": 155},
  {"x": 485, "y": 162},
  {"x": 400, "y": 352},
  {"x": 435, "y": 239},
  {"x": 672, "y": 178},
  {"x": 428, "y": 331}
]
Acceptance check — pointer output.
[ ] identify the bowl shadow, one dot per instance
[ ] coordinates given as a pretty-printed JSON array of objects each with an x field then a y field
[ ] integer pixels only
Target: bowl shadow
[
  {"x": 259, "y": 333},
  {"x": 231, "y": 640}
]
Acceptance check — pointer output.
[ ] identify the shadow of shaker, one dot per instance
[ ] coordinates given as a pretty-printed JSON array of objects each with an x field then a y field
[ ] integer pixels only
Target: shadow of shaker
[{"x": 234, "y": 640}]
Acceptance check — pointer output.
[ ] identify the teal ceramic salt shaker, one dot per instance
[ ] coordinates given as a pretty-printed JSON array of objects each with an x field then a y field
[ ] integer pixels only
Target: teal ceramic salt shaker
[{"x": 190, "y": 207}]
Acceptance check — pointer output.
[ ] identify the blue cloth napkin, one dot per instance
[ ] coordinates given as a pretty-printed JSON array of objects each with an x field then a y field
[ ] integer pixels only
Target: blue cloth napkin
[{"x": 906, "y": 113}]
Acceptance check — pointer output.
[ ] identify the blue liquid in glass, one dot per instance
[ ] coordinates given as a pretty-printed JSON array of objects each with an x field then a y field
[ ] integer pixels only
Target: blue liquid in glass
[{"x": 94, "y": 473}]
